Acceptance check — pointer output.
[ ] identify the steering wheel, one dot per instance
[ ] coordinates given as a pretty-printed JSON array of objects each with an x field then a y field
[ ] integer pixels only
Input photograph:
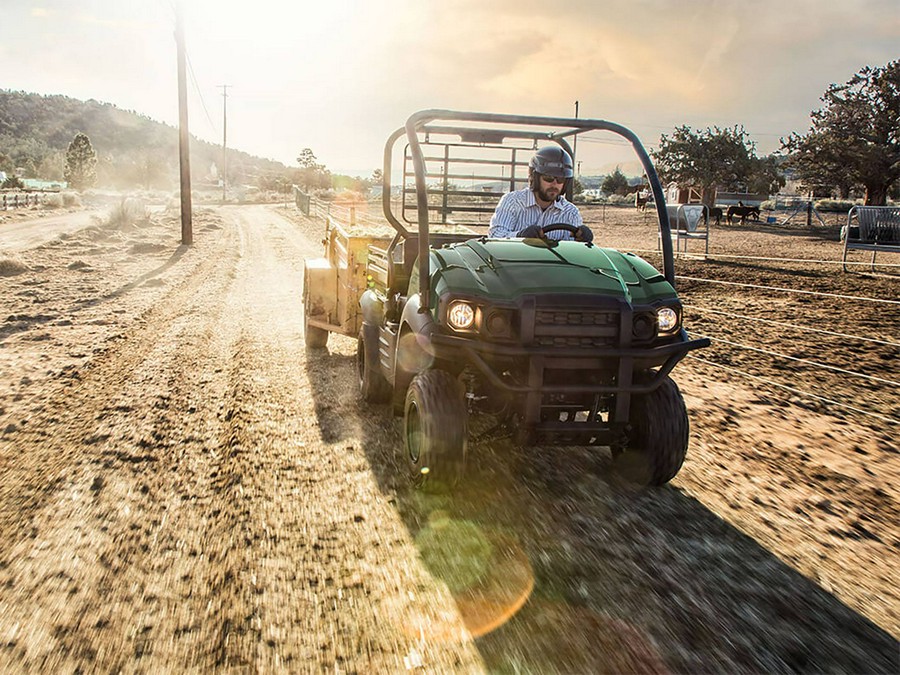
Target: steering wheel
[{"x": 554, "y": 227}]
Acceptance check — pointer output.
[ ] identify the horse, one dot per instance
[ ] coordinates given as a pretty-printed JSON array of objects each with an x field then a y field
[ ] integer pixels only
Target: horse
[
  {"x": 715, "y": 212},
  {"x": 640, "y": 202},
  {"x": 743, "y": 211}
]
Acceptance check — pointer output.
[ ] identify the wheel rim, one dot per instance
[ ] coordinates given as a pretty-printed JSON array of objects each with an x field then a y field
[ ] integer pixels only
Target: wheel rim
[{"x": 413, "y": 433}]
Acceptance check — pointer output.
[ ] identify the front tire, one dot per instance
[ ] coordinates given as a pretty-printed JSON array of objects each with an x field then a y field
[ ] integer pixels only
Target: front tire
[
  {"x": 659, "y": 438},
  {"x": 435, "y": 431}
]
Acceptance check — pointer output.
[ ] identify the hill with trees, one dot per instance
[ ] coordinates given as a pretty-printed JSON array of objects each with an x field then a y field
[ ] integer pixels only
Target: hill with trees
[{"x": 132, "y": 150}]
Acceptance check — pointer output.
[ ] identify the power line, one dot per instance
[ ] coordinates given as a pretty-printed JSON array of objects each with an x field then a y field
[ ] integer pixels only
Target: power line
[{"x": 199, "y": 92}]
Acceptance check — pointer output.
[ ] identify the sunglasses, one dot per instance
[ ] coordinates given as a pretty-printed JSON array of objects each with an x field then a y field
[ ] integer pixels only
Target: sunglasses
[{"x": 552, "y": 179}]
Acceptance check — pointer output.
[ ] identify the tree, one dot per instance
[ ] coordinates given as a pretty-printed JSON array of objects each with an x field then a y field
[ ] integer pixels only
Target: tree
[
  {"x": 854, "y": 138},
  {"x": 615, "y": 183},
  {"x": 12, "y": 182},
  {"x": 712, "y": 159},
  {"x": 51, "y": 167},
  {"x": 81, "y": 163},
  {"x": 312, "y": 174},
  {"x": 766, "y": 176}
]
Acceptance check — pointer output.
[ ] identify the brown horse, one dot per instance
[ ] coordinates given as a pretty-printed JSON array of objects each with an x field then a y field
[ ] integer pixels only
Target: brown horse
[
  {"x": 640, "y": 202},
  {"x": 743, "y": 212}
]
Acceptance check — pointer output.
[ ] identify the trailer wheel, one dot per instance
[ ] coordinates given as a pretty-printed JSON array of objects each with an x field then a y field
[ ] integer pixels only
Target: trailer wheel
[
  {"x": 373, "y": 387},
  {"x": 659, "y": 438},
  {"x": 313, "y": 336},
  {"x": 435, "y": 431}
]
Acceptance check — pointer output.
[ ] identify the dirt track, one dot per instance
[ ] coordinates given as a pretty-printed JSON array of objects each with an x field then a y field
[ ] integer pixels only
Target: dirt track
[{"x": 185, "y": 490}]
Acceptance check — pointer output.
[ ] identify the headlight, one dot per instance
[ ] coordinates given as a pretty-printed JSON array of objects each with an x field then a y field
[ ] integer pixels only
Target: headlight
[
  {"x": 498, "y": 323},
  {"x": 666, "y": 319},
  {"x": 461, "y": 315}
]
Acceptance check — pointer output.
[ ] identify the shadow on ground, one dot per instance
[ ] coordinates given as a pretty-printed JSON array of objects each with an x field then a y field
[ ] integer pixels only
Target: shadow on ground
[{"x": 555, "y": 568}]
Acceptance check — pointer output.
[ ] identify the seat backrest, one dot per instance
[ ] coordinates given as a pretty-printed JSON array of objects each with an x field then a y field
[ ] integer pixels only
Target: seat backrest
[
  {"x": 878, "y": 224},
  {"x": 685, "y": 217}
]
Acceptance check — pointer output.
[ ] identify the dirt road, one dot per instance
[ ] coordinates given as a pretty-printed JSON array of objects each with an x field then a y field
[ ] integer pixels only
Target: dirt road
[
  {"x": 184, "y": 489},
  {"x": 28, "y": 229}
]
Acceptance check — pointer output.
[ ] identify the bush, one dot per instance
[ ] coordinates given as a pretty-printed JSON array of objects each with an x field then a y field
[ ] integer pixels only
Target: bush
[
  {"x": 620, "y": 200},
  {"x": 52, "y": 201},
  {"x": 834, "y": 205},
  {"x": 71, "y": 199},
  {"x": 130, "y": 211},
  {"x": 326, "y": 195}
]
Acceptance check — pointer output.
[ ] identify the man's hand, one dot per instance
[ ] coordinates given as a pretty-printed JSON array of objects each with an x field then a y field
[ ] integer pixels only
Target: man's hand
[
  {"x": 584, "y": 234},
  {"x": 532, "y": 231}
]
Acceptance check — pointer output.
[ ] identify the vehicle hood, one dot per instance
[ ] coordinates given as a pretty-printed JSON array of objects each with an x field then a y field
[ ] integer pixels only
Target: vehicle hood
[{"x": 505, "y": 269}]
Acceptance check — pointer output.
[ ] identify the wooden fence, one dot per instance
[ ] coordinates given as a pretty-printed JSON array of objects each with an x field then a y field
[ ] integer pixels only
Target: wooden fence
[{"x": 16, "y": 200}]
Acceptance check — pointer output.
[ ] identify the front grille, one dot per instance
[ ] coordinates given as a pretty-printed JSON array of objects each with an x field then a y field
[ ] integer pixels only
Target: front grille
[
  {"x": 562, "y": 317},
  {"x": 585, "y": 342},
  {"x": 585, "y": 328}
]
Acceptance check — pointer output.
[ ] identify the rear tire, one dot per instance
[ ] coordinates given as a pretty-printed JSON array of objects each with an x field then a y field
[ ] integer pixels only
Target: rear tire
[
  {"x": 659, "y": 437},
  {"x": 435, "y": 431},
  {"x": 373, "y": 387}
]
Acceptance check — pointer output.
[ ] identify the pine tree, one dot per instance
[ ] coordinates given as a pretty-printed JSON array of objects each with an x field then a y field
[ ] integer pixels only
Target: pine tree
[{"x": 81, "y": 163}]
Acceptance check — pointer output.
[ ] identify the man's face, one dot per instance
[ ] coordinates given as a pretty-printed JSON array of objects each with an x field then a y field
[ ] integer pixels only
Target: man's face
[{"x": 550, "y": 187}]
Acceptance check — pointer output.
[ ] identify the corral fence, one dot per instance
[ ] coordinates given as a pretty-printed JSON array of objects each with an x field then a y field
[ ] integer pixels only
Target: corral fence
[
  {"x": 349, "y": 213},
  {"x": 16, "y": 200}
]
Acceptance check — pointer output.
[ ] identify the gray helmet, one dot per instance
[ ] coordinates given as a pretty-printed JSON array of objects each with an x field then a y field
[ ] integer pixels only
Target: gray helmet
[{"x": 552, "y": 160}]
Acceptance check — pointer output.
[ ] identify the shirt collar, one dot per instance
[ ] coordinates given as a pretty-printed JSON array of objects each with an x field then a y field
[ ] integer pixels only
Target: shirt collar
[{"x": 531, "y": 201}]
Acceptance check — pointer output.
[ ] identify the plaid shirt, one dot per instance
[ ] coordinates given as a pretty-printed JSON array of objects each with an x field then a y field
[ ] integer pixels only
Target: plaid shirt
[{"x": 517, "y": 210}]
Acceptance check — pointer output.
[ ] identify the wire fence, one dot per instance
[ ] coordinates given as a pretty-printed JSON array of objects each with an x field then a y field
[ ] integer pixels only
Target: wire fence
[
  {"x": 848, "y": 375},
  {"x": 809, "y": 261}
]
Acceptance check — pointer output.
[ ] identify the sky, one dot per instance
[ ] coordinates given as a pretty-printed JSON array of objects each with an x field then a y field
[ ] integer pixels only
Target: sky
[{"x": 338, "y": 76}]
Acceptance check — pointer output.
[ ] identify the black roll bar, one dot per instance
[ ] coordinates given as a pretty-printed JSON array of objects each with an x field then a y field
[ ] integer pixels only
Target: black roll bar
[{"x": 417, "y": 123}]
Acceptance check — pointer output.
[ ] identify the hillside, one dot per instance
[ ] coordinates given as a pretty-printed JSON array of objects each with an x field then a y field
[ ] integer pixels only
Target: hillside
[{"x": 132, "y": 149}]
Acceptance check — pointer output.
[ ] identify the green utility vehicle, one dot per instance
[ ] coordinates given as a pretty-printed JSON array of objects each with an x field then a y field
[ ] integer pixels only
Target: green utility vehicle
[{"x": 560, "y": 343}]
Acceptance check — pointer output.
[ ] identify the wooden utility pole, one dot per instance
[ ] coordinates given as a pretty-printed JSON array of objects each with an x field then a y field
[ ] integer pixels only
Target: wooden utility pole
[
  {"x": 224, "y": 88},
  {"x": 575, "y": 138},
  {"x": 184, "y": 138}
]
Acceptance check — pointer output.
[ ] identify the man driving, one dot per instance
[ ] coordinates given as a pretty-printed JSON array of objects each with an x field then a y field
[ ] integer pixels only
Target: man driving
[{"x": 525, "y": 212}]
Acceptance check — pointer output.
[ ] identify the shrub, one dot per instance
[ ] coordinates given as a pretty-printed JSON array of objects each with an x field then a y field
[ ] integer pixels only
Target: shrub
[
  {"x": 52, "y": 201},
  {"x": 834, "y": 205},
  {"x": 130, "y": 211},
  {"x": 620, "y": 200},
  {"x": 71, "y": 199}
]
